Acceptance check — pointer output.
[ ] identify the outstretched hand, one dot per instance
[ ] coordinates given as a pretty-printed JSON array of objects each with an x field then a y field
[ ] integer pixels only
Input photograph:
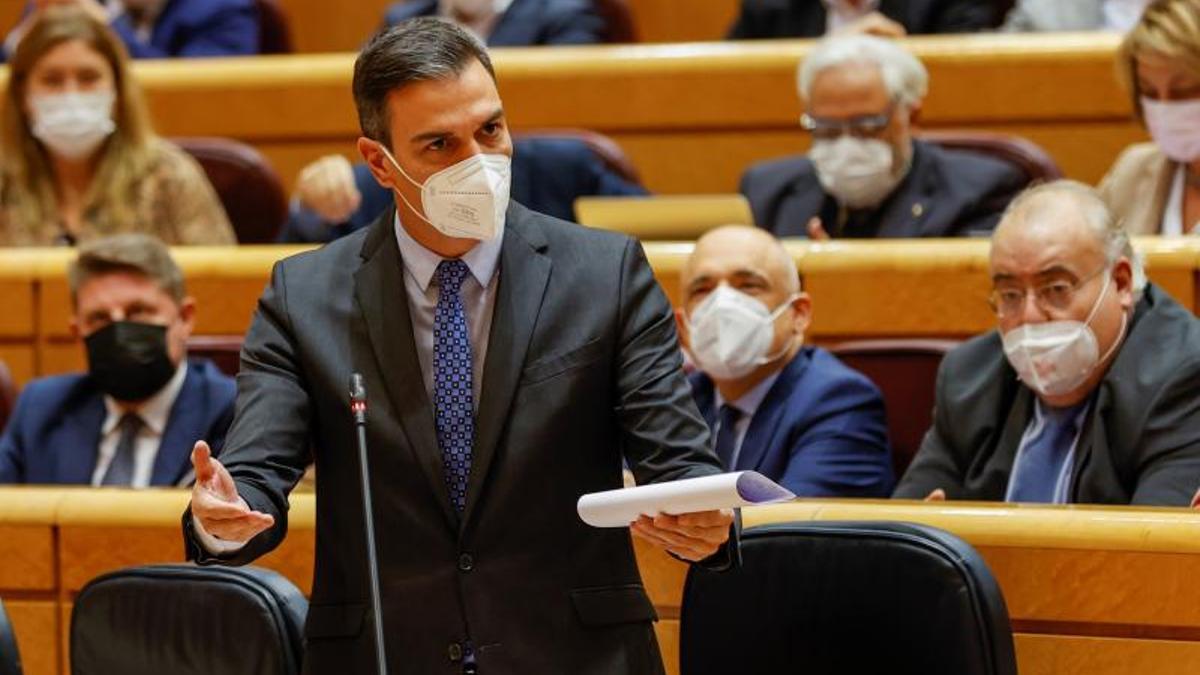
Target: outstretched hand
[
  {"x": 216, "y": 503},
  {"x": 691, "y": 536}
]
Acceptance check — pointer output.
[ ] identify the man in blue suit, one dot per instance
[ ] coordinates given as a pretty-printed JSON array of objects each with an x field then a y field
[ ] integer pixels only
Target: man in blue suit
[
  {"x": 512, "y": 23},
  {"x": 155, "y": 29},
  {"x": 549, "y": 173},
  {"x": 793, "y": 413},
  {"x": 132, "y": 419}
]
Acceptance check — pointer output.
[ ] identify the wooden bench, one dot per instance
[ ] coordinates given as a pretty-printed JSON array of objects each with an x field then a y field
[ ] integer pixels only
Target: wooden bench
[
  {"x": 692, "y": 117},
  {"x": 860, "y": 289}
]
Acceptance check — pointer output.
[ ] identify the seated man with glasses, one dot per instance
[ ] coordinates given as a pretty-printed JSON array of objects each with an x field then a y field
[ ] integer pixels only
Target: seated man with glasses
[
  {"x": 865, "y": 176},
  {"x": 1087, "y": 391}
]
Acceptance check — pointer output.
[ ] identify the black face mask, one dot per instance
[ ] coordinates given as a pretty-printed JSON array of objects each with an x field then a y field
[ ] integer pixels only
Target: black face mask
[{"x": 129, "y": 360}]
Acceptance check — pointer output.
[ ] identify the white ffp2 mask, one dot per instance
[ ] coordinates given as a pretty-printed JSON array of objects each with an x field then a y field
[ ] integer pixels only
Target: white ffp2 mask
[
  {"x": 1055, "y": 357},
  {"x": 1175, "y": 127},
  {"x": 730, "y": 333},
  {"x": 73, "y": 125},
  {"x": 467, "y": 200},
  {"x": 858, "y": 172}
]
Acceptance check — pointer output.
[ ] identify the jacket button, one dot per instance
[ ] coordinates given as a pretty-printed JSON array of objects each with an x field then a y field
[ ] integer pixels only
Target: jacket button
[
  {"x": 454, "y": 651},
  {"x": 466, "y": 563}
]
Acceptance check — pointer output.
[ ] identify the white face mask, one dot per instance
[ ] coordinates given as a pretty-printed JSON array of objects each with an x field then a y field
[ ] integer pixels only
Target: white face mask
[
  {"x": 730, "y": 333},
  {"x": 467, "y": 200},
  {"x": 73, "y": 125},
  {"x": 1175, "y": 126},
  {"x": 1055, "y": 357},
  {"x": 856, "y": 171}
]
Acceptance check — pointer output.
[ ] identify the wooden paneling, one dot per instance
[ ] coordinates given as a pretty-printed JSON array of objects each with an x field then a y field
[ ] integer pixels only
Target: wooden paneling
[
  {"x": 667, "y": 632},
  {"x": 35, "y": 623},
  {"x": 675, "y": 21},
  {"x": 1067, "y": 655},
  {"x": 19, "y": 357},
  {"x": 324, "y": 26}
]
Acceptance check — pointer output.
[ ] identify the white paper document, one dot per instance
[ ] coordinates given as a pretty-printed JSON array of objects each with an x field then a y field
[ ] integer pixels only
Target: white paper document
[{"x": 619, "y": 508}]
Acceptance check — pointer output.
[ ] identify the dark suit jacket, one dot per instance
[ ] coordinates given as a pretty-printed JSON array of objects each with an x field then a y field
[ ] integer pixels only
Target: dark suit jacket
[
  {"x": 1140, "y": 442},
  {"x": 582, "y": 368},
  {"x": 54, "y": 432},
  {"x": 525, "y": 23},
  {"x": 548, "y": 175},
  {"x": 947, "y": 193},
  {"x": 806, "y": 18},
  {"x": 196, "y": 28},
  {"x": 820, "y": 431}
]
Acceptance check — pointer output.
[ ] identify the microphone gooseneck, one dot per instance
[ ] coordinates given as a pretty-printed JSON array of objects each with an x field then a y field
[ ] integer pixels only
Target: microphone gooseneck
[{"x": 358, "y": 408}]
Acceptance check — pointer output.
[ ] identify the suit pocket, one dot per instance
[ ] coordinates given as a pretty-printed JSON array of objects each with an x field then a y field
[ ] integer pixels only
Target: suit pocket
[
  {"x": 609, "y": 605},
  {"x": 334, "y": 621},
  {"x": 556, "y": 364}
]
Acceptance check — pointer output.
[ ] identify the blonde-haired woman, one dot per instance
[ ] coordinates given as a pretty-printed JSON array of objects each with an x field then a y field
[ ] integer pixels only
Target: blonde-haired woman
[
  {"x": 78, "y": 158},
  {"x": 1154, "y": 188}
]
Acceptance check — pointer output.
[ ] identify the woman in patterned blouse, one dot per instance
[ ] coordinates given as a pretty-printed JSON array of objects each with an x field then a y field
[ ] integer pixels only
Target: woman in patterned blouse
[{"x": 78, "y": 159}]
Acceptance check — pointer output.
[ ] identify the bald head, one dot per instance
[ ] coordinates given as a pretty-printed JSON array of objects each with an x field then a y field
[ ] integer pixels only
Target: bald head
[{"x": 739, "y": 252}]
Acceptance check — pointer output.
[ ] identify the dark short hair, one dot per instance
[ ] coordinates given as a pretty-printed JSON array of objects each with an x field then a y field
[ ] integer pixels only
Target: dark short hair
[
  {"x": 123, "y": 253},
  {"x": 416, "y": 50}
]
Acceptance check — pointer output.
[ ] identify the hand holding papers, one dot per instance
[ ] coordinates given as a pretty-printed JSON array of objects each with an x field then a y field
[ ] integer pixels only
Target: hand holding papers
[{"x": 619, "y": 508}]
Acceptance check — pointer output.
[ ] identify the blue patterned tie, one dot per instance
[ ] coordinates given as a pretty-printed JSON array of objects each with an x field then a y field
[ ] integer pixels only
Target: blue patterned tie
[
  {"x": 452, "y": 380},
  {"x": 1041, "y": 462},
  {"x": 726, "y": 446}
]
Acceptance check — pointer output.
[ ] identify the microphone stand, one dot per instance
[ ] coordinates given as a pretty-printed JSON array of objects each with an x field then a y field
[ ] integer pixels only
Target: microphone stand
[{"x": 358, "y": 406}]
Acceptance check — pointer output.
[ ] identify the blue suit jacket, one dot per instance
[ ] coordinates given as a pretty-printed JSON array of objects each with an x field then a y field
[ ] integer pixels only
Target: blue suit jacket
[
  {"x": 946, "y": 193},
  {"x": 548, "y": 175},
  {"x": 526, "y": 22},
  {"x": 820, "y": 431},
  {"x": 54, "y": 432}
]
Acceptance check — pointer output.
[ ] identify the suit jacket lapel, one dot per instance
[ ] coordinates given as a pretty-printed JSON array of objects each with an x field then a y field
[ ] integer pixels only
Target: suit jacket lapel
[
  {"x": 1001, "y": 464},
  {"x": 524, "y": 273},
  {"x": 379, "y": 288},
  {"x": 760, "y": 435},
  {"x": 79, "y": 452},
  {"x": 185, "y": 425}
]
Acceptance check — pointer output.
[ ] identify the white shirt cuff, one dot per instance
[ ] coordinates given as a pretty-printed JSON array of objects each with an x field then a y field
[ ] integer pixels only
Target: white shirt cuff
[{"x": 212, "y": 544}]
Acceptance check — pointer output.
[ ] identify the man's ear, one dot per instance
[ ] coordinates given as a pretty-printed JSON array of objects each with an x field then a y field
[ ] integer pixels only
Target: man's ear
[
  {"x": 1123, "y": 278},
  {"x": 376, "y": 161},
  {"x": 187, "y": 313},
  {"x": 802, "y": 307},
  {"x": 914, "y": 115},
  {"x": 73, "y": 325}
]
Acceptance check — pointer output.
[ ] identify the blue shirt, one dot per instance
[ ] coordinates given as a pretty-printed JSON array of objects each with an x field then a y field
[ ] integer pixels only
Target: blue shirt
[
  {"x": 1062, "y": 488},
  {"x": 747, "y": 404},
  {"x": 478, "y": 295}
]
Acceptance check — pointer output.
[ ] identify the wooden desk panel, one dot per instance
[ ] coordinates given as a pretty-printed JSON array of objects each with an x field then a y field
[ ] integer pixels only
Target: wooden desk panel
[
  {"x": 20, "y": 358},
  {"x": 674, "y": 21},
  {"x": 35, "y": 624}
]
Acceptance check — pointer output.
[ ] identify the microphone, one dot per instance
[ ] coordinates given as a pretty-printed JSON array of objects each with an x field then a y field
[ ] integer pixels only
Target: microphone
[{"x": 358, "y": 407}]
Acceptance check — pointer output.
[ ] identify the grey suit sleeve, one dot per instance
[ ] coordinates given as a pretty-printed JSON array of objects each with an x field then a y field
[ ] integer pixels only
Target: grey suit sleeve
[
  {"x": 1169, "y": 460},
  {"x": 935, "y": 465},
  {"x": 267, "y": 448}
]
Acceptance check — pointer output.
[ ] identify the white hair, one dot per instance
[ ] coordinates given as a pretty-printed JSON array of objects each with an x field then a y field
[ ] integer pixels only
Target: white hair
[
  {"x": 903, "y": 74},
  {"x": 1099, "y": 218}
]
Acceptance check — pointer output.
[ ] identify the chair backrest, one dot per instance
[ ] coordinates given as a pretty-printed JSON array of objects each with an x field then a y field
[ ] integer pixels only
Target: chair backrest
[
  {"x": 8, "y": 395},
  {"x": 906, "y": 373},
  {"x": 1022, "y": 153},
  {"x": 825, "y": 598},
  {"x": 617, "y": 14},
  {"x": 225, "y": 351},
  {"x": 10, "y": 656},
  {"x": 663, "y": 217},
  {"x": 274, "y": 28},
  {"x": 246, "y": 183},
  {"x": 604, "y": 147},
  {"x": 188, "y": 620}
]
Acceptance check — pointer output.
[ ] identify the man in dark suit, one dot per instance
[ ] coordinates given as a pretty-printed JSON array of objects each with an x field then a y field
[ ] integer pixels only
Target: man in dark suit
[
  {"x": 1086, "y": 393},
  {"x": 888, "y": 18},
  {"x": 792, "y": 413},
  {"x": 561, "y": 335},
  {"x": 156, "y": 29},
  {"x": 512, "y": 23},
  {"x": 132, "y": 419},
  {"x": 865, "y": 176},
  {"x": 549, "y": 173}
]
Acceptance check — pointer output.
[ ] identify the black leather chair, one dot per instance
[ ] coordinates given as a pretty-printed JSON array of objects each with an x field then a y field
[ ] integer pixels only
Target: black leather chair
[
  {"x": 905, "y": 371},
  {"x": 246, "y": 183},
  {"x": 275, "y": 28},
  {"x": 619, "y": 17},
  {"x": 10, "y": 657},
  {"x": 188, "y": 620},
  {"x": 826, "y": 598},
  {"x": 609, "y": 152},
  {"x": 1023, "y": 154}
]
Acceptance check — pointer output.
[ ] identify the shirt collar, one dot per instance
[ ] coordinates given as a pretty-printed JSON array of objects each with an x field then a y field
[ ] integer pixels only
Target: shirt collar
[
  {"x": 749, "y": 402},
  {"x": 422, "y": 263},
  {"x": 154, "y": 411}
]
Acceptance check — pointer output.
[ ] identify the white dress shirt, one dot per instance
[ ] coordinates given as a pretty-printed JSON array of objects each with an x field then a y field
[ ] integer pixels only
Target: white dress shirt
[
  {"x": 479, "y": 300},
  {"x": 748, "y": 405},
  {"x": 155, "y": 412},
  {"x": 841, "y": 13}
]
